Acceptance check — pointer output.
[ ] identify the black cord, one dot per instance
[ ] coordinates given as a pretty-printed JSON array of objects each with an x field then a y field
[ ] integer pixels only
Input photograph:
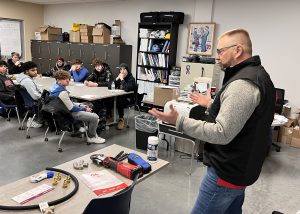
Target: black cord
[{"x": 51, "y": 203}]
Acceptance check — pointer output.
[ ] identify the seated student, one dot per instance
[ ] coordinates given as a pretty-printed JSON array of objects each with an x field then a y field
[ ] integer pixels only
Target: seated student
[
  {"x": 79, "y": 112},
  {"x": 101, "y": 77},
  {"x": 78, "y": 72},
  {"x": 7, "y": 87},
  {"x": 60, "y": 65},
  {"x": 27, "y": 80},
  {"x": 14, "y": 64},
  {"x": 124, "y": 81}
]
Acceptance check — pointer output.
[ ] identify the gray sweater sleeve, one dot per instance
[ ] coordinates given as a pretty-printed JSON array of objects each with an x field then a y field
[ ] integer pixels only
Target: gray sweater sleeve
[{"x": 238, "y": 102}]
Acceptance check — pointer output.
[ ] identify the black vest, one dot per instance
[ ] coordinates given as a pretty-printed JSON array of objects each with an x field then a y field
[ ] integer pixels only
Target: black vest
[{"x": 240, "y": 161}]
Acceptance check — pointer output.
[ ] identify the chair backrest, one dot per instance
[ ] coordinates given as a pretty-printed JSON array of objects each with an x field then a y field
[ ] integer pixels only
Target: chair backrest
[
  {"x": 116, "y": 204},
  {"x": 27, "y": 99},
  {"x": 279, "y": 100}
]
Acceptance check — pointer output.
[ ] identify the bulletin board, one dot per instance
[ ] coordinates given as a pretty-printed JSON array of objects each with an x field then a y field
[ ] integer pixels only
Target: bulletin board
[{"x": 11, "y": 36}]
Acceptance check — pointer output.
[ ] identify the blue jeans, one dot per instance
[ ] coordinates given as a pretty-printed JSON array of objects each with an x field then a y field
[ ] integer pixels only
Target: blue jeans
[{"x": 215, "y": 199}]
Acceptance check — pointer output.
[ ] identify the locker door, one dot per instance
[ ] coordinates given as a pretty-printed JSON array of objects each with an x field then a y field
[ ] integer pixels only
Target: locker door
[
  {"x": 35, "y": 49},
  {"x": 54, "y": 50},
  {"x": 44, "y": 66},
  {"x": 113, "y": 58},
  {"x": 87, "y": 55},
  {"x": 44, "y": 50},
  {"x": 100, "y": 52},
  {"x": 75, "y": 50},
  {"x": 64, "y": 51}
]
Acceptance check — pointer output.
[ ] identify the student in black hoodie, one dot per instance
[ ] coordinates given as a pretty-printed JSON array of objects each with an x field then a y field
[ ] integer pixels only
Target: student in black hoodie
[
  {"x": 14, "y": 64},
  {"x": 124, "y": 81},
  {"x": 101, "y": 76},
  {"x": 60, "y": 65},
  {"x": 7, "y": 87}
]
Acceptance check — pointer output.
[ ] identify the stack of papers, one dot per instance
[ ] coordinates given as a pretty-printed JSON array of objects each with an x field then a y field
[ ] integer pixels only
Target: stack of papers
[{"x": 103, "y": 182}]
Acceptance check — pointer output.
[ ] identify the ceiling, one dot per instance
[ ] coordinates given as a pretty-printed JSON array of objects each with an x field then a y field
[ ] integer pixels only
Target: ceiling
[{"x": 63, "y": 1}]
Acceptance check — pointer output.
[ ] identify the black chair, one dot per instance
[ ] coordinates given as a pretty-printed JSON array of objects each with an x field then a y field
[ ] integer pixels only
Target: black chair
[
  {"x": 133, "y": 104},
  {"x": 116, "y": 204},
  {"x": 8, "y": 109},
  {"x": 279, "y": 102},
  {"x": 58, "y": 118},
  {"x": 29, "y": 105}
]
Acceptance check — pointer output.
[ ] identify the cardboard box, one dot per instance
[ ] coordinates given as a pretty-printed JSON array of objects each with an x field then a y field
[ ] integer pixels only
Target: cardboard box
[
  {"x": 101, "y": 35},
  {"x": 86, "y": 39},
  {"x": 50, "y": 33},
  {"x": 285, "y": 134},
  {"x": 295, "y": 142},
  {"x": 291, "y": 123},
  {"x": 86, "y": 30},
  {"x": 74, "y": 36},
  {"x": 163, "y": 95}
]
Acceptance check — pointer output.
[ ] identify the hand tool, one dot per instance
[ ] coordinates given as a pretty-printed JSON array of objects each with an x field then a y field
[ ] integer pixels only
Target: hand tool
[{"x": 135, "y": 159}]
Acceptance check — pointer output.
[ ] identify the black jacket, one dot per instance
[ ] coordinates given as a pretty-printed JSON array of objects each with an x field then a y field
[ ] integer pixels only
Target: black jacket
[
  {"x": 240, "y": 161},
  {"x": 7, "y": 90},
  {"x": 127, "y": 84},
  {"x": 12, "y": 69},
  {"x": 103, "y": 78},
  {"x": 52, "y": 71}
]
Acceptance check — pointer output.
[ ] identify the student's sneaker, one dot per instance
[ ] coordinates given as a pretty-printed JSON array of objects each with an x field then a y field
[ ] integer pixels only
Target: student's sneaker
[
  {"x": 96, "y": 139},
  {"x": 83, "y": 129},
  {"x": 121, "y": 124},
  {"x": 34, "y": 124}
]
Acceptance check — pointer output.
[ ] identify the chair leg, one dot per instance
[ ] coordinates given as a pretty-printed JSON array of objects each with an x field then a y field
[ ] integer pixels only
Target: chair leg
[
  {"x": 22, "y": 125},
  {"x": 27, "y": 131},
  {"x": 127, "y": 119},
  {"x": 8, "y": 115},
  {"x": 46, "y": 138},
  {"x": 18, "y": 116},
  {"x": 59, "y": 143}
]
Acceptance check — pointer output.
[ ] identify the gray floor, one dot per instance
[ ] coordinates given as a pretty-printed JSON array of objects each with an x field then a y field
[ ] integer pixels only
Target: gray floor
[{"x": 171, "y": 190}]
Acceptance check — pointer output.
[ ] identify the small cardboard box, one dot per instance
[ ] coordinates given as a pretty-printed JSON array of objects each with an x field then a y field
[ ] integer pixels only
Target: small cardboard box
[
  {"x": 101, "y": 35},
  {"x": 50, "y": 33},
  {"x": 295, "y": 142},
  {"x": 74, "y": 36},
  {"x": 291, "y": 123},
  {"x": 285, "y": 134},
  {"x": 86, "y": 39},
  {"x": 164, "y": 94},
  {"x": 86, "y": 29}
]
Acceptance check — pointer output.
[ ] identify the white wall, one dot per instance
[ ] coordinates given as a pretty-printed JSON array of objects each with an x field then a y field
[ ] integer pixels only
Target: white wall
[
  {"x": 32, "y": 14},
  {"x": 274, "y": 28},
  {"x": 129, "y": 14},
  {"x": 272, "y": 25}
]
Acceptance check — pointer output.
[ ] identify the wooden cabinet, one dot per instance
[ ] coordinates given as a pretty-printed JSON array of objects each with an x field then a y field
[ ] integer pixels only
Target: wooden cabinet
[{"x": 45, "y": 53}]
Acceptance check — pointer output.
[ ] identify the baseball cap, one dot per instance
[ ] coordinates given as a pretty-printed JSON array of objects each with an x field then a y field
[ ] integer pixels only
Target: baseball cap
[{"x": 123, "y": 65}]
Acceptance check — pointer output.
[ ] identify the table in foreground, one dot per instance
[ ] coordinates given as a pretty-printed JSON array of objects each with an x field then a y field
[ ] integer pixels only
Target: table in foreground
[{"x": 79, "y": 201}]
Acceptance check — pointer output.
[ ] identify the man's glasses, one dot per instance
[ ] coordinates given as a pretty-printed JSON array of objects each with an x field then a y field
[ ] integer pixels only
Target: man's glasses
[{"x": 221, "y": 50}]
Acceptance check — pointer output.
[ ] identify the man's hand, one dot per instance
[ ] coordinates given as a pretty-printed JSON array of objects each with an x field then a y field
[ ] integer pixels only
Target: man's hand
[
  {"x": 73, "y": 68},
  {"x": 169, "y": 117},
  {"x": 18, "y": 63},
  {"x": 120, "y": 76},
  {"x": 202, "y": 100},
  {"x": 90, "y": 84}
]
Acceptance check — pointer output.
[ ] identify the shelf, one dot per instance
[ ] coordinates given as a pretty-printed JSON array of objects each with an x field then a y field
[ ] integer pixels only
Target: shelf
[
  {"x": 154, "y": 38},
  {"x": 148, "y": 66},
  {"x": 150, "y": 52}
]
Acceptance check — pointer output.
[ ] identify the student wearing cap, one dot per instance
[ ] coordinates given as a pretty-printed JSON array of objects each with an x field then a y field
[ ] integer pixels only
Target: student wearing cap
[
  {"x": 78, "y": 71},
  {"x": 124, "y": 81},
  {"x": 59, "y": 65},
  {"x": 7, "y": 87},
  {"x": 14, "y": 64}
]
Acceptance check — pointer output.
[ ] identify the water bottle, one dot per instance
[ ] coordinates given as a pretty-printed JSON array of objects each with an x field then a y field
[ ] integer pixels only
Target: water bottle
[
  {"x": 113, "y": 87},
  {"x": 152, "y": 149}
]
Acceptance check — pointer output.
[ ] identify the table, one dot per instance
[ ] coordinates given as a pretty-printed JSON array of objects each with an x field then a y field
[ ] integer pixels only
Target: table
[
  {"x": 79, "y": 201},
  {"x": 80, "y": 91}
]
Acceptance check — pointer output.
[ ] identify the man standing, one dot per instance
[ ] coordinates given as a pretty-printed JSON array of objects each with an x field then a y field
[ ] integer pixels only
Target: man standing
[{"x": 237, "y": 127}]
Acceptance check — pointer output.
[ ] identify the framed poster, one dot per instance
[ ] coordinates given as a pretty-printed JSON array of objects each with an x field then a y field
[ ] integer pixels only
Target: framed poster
[{"x": 200, "y": 38}]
